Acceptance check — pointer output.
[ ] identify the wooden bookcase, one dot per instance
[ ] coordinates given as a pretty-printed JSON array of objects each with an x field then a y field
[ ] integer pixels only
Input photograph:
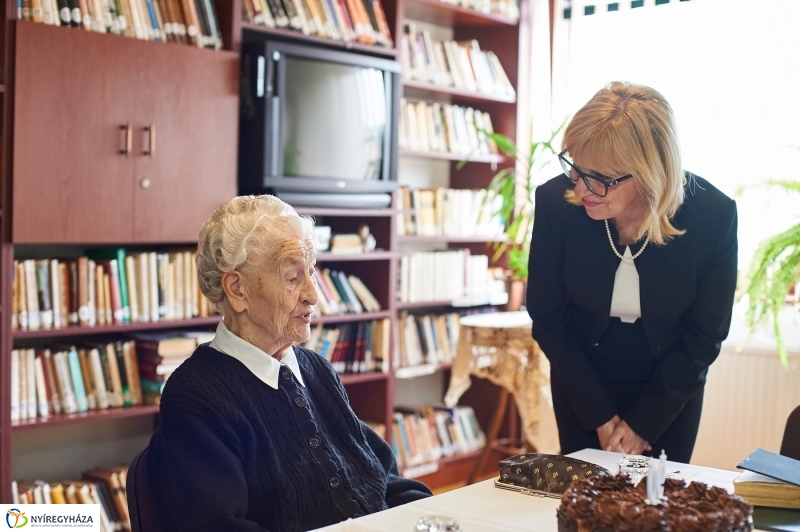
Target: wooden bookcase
[{"x": 71, "y": 90}]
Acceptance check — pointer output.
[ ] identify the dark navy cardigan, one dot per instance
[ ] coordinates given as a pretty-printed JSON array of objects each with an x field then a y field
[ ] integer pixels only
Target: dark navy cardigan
[{"x": 233, "y": 454}]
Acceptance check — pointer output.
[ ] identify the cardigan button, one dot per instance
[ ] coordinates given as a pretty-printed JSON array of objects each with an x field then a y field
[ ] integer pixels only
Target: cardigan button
[
  {"x": 314, "y": 443},
  {"x": 286, "y": 373},
  {"x": 299, "y": 401},
  {"x": 334, "y": 482}
]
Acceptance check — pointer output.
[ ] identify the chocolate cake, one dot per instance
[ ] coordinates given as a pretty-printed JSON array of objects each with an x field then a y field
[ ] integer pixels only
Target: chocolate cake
[{"x": 613, "y": 503}]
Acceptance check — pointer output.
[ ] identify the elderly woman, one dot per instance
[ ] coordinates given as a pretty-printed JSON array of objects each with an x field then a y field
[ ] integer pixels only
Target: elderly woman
[
  {"x": 256, "y": 433},
  {"x": 632, "y": 277}
]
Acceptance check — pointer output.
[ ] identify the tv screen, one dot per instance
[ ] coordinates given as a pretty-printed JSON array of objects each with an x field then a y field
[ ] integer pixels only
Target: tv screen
[
  {"x": 334, "y": 123},
  {"x": 317, "y": 120}
]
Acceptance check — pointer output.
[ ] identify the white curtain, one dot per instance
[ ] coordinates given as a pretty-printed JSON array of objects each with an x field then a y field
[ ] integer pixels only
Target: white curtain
[{"x": 730, "y": 69}]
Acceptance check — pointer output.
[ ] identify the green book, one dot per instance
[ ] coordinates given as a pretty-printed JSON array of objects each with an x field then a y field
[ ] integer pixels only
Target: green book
[{"x": 119, "y": 254}]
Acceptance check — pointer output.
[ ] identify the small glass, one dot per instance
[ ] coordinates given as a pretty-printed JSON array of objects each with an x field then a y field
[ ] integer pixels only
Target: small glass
[
  {"x": 636, "y": 467},
  {"x": 437, "y": 523}
]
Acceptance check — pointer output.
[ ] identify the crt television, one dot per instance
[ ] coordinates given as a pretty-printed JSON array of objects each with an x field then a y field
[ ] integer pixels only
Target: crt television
[{"x": 316, "y": 121}]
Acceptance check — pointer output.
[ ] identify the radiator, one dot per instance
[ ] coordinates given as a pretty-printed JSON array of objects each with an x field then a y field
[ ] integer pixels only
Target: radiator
[{"x": 748, "y": 397}]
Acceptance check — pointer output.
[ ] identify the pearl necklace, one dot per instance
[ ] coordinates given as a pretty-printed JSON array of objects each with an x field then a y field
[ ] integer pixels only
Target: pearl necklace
[{"x": 623, "y": 257}]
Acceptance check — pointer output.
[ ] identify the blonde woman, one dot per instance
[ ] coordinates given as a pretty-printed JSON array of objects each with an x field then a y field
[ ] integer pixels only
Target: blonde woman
[
  {"x": 256, "y": 433},
  {"x": 631, "y": 279}
]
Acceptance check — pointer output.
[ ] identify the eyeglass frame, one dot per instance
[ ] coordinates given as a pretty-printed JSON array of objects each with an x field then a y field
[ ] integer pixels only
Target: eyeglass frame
[{"x": 607, "y": 184}]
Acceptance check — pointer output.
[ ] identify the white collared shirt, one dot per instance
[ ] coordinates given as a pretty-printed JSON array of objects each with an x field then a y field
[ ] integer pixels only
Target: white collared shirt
[
  {"x": 625, "y": 302},
  {"x": 264, "y": 366}
]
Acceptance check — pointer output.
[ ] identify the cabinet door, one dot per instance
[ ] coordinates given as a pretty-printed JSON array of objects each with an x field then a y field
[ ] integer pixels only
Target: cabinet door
[
  {"x": 73, "y": 90},
  {"x": 190, "y": 97}
]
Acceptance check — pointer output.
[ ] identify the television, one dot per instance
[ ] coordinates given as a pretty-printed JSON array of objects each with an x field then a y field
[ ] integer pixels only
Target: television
[{"x": 318, "y": 126}]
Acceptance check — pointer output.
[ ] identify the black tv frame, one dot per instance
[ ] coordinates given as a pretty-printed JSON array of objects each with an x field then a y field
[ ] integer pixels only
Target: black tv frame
[{"x": 260, "y": 153}]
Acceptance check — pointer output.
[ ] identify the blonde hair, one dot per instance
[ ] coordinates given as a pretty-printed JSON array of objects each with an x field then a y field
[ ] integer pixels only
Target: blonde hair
[
  {"x": 245, "y": 233},
  {"x": 630, "y": 129}
]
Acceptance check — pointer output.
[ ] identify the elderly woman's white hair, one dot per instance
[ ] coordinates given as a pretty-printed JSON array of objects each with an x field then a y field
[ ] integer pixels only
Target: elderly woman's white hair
[{"x": 245, "y": 233}]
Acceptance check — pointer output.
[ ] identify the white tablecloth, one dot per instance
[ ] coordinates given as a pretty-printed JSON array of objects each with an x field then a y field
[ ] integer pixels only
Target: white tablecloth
[{"x": 482, "y": 507}]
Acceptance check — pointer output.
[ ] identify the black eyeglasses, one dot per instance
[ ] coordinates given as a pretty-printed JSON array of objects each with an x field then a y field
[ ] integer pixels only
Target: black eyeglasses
[{"x": 597, "y": 185}]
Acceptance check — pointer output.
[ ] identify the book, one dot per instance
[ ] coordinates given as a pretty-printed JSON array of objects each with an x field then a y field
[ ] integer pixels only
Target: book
[
  {"x": 769, "y": 479},
  {"x": 56, "y": 394},
  {"x": 15, "y": 385},
  {"x": 776, "y": 519},
  {"x": 125, "y": 384}
]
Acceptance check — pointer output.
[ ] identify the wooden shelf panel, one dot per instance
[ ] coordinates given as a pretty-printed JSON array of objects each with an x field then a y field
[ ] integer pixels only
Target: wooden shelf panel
[
  {"x": 431, "y": 468},
  {"x": 349, "y": 213},
  {"x": 326, "y": 256},
  {"x": 431, "y": 88},
  {"x": 357, "y": 378},
  {"x": 450, "y": 239},
  {"x": 411, "y": 372},
  {"x": 85, "y": 417},
  {"x": 494, "y": 300},
  {"x": 442, "y": 14},
  {"x": 348, "y": 318},
  {"x": 299, "y": 36},
  {"x": 115, "y": 329},
  {"x": 490, "y": 159}
]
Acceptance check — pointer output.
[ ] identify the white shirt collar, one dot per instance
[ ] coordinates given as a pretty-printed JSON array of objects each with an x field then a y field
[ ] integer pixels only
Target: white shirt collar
[{"x": 264, "y": 366}]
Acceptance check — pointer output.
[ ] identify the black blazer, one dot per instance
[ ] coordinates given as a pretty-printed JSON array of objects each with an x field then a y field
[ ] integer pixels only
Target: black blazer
[{"x": 686, "y": 289}]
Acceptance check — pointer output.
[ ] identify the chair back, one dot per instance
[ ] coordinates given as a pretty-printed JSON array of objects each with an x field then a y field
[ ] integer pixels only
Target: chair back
[
  {"x": 791, "y": 436},
  {"x": 143, "y": 514}
]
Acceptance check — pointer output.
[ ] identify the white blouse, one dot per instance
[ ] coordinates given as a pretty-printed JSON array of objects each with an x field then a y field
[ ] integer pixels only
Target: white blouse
[{"x": 625, "y": 303}]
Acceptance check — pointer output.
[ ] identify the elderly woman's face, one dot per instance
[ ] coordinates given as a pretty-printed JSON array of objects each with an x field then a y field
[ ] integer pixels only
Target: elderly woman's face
[{"x": 281, "y": 297}]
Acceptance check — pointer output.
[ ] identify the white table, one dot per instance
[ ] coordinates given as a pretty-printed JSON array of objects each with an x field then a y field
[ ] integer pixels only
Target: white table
[{"x": 482, "y": 507}]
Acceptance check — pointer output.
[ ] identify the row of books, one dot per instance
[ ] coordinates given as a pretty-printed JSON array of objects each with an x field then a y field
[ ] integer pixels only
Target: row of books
[
  {"x": 428, "y": 433},
  {"x": 445, "y": 128},
  {"x": 362, "y": 21},
  {"x": 191, "y": 22},
  {"x": 94, "y": 376},
  {"x": 358, "y": 347},
  {"x": 106, "y": 287},
  {"x": 47, "y": 382},
  {"x": 426, "y": 338},
  {"x": 451, "y": 275},
  {"x": 459, "y": 64},
  {"x": 458, "y": 213},
  {"x": 104, "y": 486},
  {"x": 342, "y": 294}
]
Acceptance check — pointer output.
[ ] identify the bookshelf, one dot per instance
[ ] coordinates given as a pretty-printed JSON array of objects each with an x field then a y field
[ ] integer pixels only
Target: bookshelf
[
  {"x": 65, "y": 186},
  {"x": 71, "y": 90},
  {"x": 499, "y": 34}
]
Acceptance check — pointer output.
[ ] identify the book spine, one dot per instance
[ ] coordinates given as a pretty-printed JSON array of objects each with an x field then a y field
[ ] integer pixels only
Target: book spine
[
  {"x": 21, "y": 296},
  {"x": 88, "y": 381},
  {"x": 43, "y": 405},
  {"x": 51, "y": 376},
  {"x": 124, "y": 296},
  {"x": 70, "y": 405},
  {"x": 127, "y": 398},
  {"x": 77, "y": 380},
  {"x": 15, "y": 396},
  {"x": 99, "y": 379}
]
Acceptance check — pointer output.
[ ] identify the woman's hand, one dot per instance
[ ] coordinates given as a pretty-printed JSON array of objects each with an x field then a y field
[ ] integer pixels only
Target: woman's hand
[
  {"x": 625, "y": 440},
  {"x": 605, "y": 431}
]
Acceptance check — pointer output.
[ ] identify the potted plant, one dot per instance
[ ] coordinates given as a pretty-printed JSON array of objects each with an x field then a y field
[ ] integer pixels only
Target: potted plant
[
  {"x": 774, "y": 272},
  {"x": 515, "y": 187}
]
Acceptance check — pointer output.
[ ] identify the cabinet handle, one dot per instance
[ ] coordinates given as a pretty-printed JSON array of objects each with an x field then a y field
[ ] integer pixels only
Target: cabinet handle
[
  {"x": 126, "y": 127},
  {"x": 151, "y": 150}
]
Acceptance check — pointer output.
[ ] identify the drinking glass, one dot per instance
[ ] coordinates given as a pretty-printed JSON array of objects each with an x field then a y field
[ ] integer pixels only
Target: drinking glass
[
  {"x": 636, "y": 467},
  {"x": 437, "y": 523}
]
